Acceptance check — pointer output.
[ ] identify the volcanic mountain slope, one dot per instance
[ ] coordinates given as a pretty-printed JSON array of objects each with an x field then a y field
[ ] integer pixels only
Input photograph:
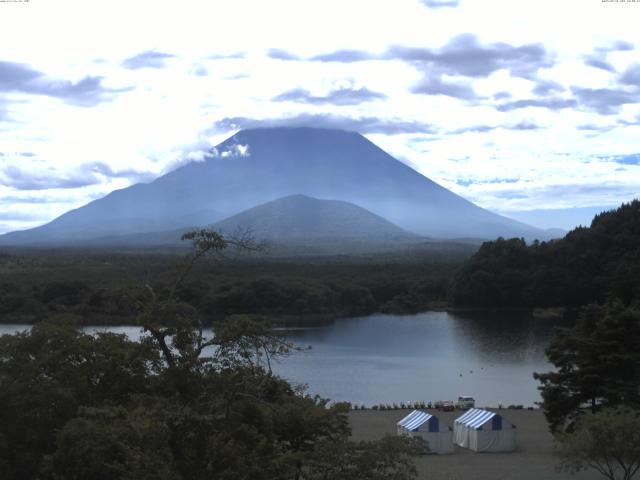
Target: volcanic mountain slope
[
  {"x": 260, "y": 165},
  {"x": 298, "y": 218},
  {"x": 294, "y": 224}
]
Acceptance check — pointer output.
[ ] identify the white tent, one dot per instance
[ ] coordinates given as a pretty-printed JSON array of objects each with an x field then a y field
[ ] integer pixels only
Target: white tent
[
  {"x": 427, "y": 426},
  {"x": 484, "y": 431}
]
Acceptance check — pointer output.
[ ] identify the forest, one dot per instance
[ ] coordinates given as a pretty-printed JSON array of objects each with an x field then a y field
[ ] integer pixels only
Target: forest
[
  {"x": 95, "y": 287},
  {"x": 589, "y": 265},
  {"x": 176, "y": 405}
]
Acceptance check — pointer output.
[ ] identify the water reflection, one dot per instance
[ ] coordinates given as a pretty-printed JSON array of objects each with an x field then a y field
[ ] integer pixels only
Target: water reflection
[{"x": 429, "y": 356}]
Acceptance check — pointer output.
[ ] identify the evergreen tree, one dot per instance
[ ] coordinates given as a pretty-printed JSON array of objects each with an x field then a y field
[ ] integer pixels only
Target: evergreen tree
[{"x": 597, "y": 364}]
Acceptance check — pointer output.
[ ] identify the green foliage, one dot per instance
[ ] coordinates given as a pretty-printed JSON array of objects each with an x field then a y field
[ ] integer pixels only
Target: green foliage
[
  {"x": 387, "y": 459},
  {"x": 48, "y": 373},
  {"x": 588, "y": 265},
  {"x": 597, "y": 364},
  {"x": 608, "y": 441},
  {"x": 177, "y": 405},
  {"x": 104, "y": 288},
  {"x": 111, "y": 443}
]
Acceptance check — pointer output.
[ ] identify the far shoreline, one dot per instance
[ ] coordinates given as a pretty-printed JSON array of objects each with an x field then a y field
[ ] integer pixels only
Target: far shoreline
[{"x": 319, "y": 319}]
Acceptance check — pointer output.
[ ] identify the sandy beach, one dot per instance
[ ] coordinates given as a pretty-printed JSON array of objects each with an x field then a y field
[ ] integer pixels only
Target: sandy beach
[{"x": 534, "y": 458}]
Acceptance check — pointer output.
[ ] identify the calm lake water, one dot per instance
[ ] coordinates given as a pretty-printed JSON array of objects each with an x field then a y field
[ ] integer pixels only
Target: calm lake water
[{"x": 428, "y": 356}]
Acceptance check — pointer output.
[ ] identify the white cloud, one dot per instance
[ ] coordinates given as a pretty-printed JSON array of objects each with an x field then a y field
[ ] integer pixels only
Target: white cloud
[
  {"x": 233, "y": 151},
  {"x": 200, "y": 63}
]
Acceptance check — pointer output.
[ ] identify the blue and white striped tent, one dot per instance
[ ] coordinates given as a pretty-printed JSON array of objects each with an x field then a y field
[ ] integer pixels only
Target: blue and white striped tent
[
  {"x": 484, "y": 431},
  {"x": 423, "y": 424}
]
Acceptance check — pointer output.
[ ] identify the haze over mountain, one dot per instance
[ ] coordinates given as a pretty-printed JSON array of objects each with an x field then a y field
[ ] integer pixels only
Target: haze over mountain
[
  {"x": 296, "y": 224},
  {"x": 260, "y": 165},
  {"x": 299, "y": 217}
]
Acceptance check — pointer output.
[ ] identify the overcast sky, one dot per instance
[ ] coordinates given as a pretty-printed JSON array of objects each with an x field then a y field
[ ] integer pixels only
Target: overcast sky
[{"x": 515, "y": 105}]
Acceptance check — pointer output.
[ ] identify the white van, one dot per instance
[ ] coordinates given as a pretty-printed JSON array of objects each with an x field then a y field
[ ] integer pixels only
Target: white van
[{"x": 465, "y": 403}]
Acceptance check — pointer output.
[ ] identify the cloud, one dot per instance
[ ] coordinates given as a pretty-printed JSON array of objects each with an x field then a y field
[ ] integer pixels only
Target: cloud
[
  {"x": 3, "y": 110},
  {"x": 342, "y": 96},
  {"x": 17, "y": 77},
  {"x": 199, "y": 70},
  {"x": 605, "y": 101},
  {"x": 435, "y": 85},
  {"x": 20, "y": 216},
  {"x": 545, "y": 87},
  {"x": 148, "y": 59},
  {"x": 474, "y": 129},
  {"x": 86, "y": 174},
  {"x": 280, "y": 54},
  {"x": 621, "y": 45},
  {"x": 590, "y": 127},
  {"x": 227, "y": 56},
  {"x": 465, "y": 56},
  {"x": 14, "y": 76},
  {"x": 345, "y": 56},
  {"x": 20, "y": 179},
  {"x": 599, "y": 58},
  {"x": 489, "y": 128},
  {"x": 362, "y": 125},
  {"x": 440, "y": 3},
  {"x": 236, "y": 150},
  {"x": 501, "y": 95},
  {"x": 86, "y": 92},
  {"x": 38, "y": 198},
  {"x": 626, "y": 159},
  {"x": 548, "y": 103},
  {"x": 597, "y": 61},
  {"x": 534, "y": 193},
  {"x": 105, "y": 170},
  {"x": 524, "y": 126},
  {"x": 631, "y": 76}
]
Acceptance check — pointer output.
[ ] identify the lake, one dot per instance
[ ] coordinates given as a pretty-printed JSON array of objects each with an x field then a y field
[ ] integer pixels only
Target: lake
[{"x": 401, "y": 358}]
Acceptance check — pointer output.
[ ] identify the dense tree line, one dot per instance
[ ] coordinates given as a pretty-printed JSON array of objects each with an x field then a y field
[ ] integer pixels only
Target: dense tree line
[
  {"x": 96, "y": 287},
  {"x": 589, "y": 265}
]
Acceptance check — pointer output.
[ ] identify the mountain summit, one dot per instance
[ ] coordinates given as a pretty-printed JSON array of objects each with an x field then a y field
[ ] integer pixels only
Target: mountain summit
[
  {"x": 260, "y": 165},
  {"x": 298, "y": 218}
]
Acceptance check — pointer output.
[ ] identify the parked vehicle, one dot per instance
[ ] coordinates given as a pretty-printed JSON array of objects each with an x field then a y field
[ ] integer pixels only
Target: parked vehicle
[
  {"x": 448, "y": 406},
  {"x": 465, "y": 403}
]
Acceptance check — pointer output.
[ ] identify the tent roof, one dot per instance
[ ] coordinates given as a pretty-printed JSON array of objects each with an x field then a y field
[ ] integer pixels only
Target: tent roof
[
  {"x": 414, "y": 420},
  {"x": 475, "y": 418}
]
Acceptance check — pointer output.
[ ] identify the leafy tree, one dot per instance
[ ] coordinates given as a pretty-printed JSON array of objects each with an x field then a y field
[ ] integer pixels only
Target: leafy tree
[
  {"x": 608, "y": 441},
  {"x": 386, "y": 459},
  {"x": 50, "y": 372},
  {"x": 178, "y": 405},
  {"x": 111, "y": 443},
  {"x": 597, "y": 364}
]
